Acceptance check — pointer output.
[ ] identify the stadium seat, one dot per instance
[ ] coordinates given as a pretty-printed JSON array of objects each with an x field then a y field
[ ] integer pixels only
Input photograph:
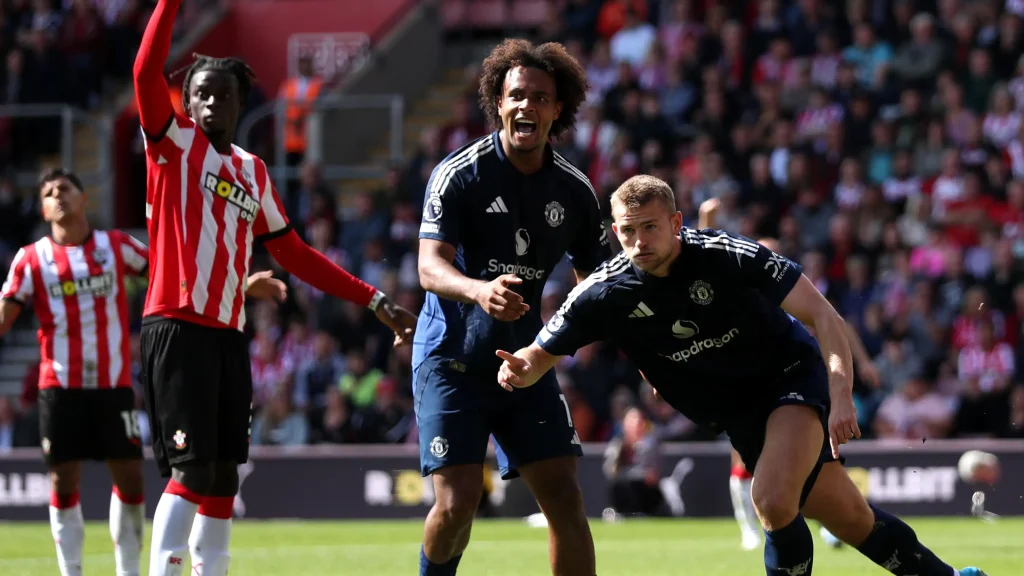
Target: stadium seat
[
  {"x": 529, "y": 13},
  {"x": 488, "y": 13},
  {"x": 453, "y": 13}
]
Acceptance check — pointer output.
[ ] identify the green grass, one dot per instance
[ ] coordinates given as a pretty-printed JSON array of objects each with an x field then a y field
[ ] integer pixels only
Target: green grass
[{"x": 510, "y": 548}]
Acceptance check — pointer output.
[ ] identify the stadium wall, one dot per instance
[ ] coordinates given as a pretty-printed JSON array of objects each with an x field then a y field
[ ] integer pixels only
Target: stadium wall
[{"x": 380, "y": 482}]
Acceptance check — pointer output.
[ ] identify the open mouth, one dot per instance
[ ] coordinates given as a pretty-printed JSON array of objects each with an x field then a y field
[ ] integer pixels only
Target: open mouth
[{"x": 525, "y": 127}]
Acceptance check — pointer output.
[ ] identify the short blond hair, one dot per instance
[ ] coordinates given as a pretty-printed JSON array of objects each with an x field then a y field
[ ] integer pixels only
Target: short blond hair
[{"x": 640, "y": 190}]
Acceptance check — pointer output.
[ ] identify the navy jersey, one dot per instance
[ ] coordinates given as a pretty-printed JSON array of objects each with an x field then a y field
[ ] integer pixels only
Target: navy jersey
[
  {"x": 710, "y": 337},
  {"x": 502, "y": 222}
]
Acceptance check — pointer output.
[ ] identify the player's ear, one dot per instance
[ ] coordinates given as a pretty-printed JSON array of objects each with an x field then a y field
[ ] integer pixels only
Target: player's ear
[
  {"x": 558, "y": 110},
  {"x": 677, "y": 221}
]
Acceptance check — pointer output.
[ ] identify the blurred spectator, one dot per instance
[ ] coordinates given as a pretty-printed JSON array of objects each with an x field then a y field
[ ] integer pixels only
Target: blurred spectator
[
  {"x": 915, "y": 411},
  {"x": 14, "y": 431},
  {"x": 360, "y": 381},
  {"x": 322, "y": 371},
  {"x": 278, "y": 424},
  {"x": 631, "y": 465}
]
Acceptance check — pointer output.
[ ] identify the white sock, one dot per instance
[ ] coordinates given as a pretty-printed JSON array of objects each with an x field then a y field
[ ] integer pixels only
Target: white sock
[
  {"x": 743, "y": 505},
  {"x": 126, "y": 522},
  {"x": 68, "y": 529},
  {"x": 209, "y": 544},
  {"x": 172, "y": 522}
]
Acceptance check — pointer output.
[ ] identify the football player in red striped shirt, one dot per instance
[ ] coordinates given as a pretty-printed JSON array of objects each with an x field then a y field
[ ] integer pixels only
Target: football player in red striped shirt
[
  {"x": 206, "y": 201},
  {"x": 74, "y": 280}
]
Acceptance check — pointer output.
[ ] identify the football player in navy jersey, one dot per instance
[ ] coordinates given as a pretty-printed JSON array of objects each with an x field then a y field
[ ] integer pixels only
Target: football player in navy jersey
[
  {"x": 716, "y": 323},
  {"x": 499, "y": 214},
  {"x": 740, "y": 478}
]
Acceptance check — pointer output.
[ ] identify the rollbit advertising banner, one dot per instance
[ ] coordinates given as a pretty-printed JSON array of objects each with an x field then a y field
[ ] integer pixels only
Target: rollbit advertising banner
[{"x": 379, "y": 482}]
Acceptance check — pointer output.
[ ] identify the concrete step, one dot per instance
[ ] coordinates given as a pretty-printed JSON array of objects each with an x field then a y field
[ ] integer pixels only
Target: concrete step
[
  {"x": 20, "y": 354},
  {"x": 20, "y": 337},
  {"x": 13, "y": 371},
  {"x": 10, "y": 387}
]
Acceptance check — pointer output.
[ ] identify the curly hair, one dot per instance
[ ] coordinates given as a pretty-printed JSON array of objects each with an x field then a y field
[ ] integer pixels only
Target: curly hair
[
  {"x": 235, "y": 66},
  {"x": 570, "y": 79}
]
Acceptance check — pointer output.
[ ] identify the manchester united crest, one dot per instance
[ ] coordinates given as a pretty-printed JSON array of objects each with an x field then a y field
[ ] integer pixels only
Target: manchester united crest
[
  {"x": 554, "y": 214},
  {"x": 701, "y": 293}
]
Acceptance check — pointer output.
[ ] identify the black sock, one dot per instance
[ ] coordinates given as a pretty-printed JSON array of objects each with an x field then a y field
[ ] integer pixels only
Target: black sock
[
  {"x": 893, "y": 545},
  {"x": 789, "y": 550}
]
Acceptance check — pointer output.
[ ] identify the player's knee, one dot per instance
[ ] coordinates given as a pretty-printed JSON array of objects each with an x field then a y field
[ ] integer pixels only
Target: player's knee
[
  {"x": 776, "y": 505},
  {"x": 197, "y": 477},
  {"x": 225, "y": 479},
  {"x": 457, "y": 492}
]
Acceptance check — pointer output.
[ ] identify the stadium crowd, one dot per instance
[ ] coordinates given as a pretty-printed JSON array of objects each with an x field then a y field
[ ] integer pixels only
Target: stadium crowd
[{"x": 880, "y": 143}]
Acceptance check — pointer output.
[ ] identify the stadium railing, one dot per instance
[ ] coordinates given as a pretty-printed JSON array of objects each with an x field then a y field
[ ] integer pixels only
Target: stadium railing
[
  {"x": 390, "y": 108},
  {"x": 96, "y": 172},
  {"x": 384, "y": 481}
]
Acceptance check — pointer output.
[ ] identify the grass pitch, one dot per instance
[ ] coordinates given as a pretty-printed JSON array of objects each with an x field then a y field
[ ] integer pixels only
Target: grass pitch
[{"x": 510, "y": 548}]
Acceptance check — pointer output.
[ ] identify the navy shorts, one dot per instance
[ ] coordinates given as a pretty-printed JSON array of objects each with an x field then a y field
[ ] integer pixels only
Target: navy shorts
[
  {"x": 805, "y": 384},
  {"x": 457, "y": 412}
]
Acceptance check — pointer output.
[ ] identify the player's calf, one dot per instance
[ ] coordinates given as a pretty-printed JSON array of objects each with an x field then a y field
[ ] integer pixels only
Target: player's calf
[
  {"x": 889, "y": 542},
  {"x": 127, "y": 514},
  {"x": 792, "y": 447},
  {"x": 66, "y": 522},
  {"x": 457, "y": 491},
  {"x": 553, "y": 483}
]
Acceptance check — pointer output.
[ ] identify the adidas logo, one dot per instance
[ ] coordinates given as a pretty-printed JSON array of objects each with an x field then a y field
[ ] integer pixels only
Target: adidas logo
[
  {"x": 497, "y": 207},
  {"x": 642, "y": 311}
]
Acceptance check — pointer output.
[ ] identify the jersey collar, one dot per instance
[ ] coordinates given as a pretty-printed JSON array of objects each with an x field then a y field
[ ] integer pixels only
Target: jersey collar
[{"x": 549, "y": 157}]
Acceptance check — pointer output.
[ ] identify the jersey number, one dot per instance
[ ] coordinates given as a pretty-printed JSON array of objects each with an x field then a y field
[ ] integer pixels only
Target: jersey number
[
  {"x": 131, "y": 423},
  {"x": 568, "y": 416}
]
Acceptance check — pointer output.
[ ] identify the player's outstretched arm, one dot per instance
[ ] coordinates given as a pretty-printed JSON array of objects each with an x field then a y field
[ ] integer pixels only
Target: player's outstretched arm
[
  {"x": 524, "y": 368},
  {"x": 151, "y": 91},
  {"x": 807, "y": 305},
  {"x": 317, "y": 270}
]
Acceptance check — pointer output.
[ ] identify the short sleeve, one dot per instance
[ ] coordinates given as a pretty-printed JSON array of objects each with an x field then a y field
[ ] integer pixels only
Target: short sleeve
[
  {"x": 441, "y": 211},
  {"x": 573, "y": 326},
  {"x": 271, "y": 221},
  {"x": 135, "y": 254},
  {"x": 749, "y": 264},
  {"x": 590, "y": 247},
  {"x": 18, "y": 286}
]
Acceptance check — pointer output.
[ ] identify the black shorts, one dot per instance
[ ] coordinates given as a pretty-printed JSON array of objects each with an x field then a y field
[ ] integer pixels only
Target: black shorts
[
  {"x": 88, "y": 425},
  {"x": 198, "y": 387},
  {"x": 805, "y": 385}
]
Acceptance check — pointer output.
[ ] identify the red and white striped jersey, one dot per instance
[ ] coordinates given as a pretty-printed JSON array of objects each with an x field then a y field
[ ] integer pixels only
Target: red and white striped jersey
[
  {"x": 203, "y": 210},
  {"x": 78, "y": 295}
]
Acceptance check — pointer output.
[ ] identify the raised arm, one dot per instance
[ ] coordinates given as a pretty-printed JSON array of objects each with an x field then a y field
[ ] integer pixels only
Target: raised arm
[{"x": 151, "y": 91}]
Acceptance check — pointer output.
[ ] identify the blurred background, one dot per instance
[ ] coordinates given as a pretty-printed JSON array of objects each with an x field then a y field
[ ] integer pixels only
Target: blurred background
[{"x": 878, "y": 140}]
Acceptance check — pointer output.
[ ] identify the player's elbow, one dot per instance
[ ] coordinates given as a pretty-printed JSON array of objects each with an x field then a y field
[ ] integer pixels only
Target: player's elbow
[{"x": 426, "y": 274}]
